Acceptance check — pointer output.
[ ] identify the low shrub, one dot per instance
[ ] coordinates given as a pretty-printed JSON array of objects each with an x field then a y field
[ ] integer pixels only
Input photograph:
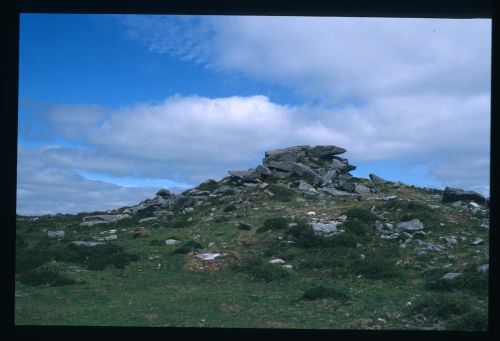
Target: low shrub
[
  {"x": 188, "y": 247},
  {"x": 179, "y": 221},
  {"x": 360, "y": 214},
  {"x": 413, "y": 210},
  {"x": 244, "y": 227},
  {"x": 442, "y": 306},
  {"x": 278, "y": 223},
  {"x": 42, "y": 276},
  {"x": 156, "y": 242},
  {"x": 260, "y": 270},
  {"x": 470, "y": 321},
  {"x": 208, "y": 185},
  {"x": 20, "y": 242},
  {"x": 31, "y": 258},
  {"x": 98, "y": 257},
  {"x": 230, "y": 208},
  {"x": 281, "y": 193},
  {"x": 324, "y": 292},
  {"x": 375, "y": 266},
  {"x": 470, "y": 280},
  {"x": 302, "y": 230}
]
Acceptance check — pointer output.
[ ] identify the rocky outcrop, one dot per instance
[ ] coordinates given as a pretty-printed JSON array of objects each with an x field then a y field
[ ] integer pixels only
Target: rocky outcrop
[{"x": 454, "y": 194}]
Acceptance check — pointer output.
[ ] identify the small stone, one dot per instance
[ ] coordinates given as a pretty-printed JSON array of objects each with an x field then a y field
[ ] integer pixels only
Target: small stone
[
  {"x": 208, "y": 256},
  {"x": 451, "y": 275},
  {"x": 287, "y": 266},
  {"x": 412, "y": 225},
  {"x": 172, "y": 242},
  {"x": 483, "y": 268},
  {"x": 277, "y": 261},
  {"x": 311, "y": 213}
]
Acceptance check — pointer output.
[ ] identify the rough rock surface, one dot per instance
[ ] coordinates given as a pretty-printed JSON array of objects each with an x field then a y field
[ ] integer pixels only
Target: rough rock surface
[{"x": 454, "y": 194}]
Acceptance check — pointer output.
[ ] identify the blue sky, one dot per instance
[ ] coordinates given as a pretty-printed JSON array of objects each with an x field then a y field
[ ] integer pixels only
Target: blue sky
[{"x": 113, "y": 107}]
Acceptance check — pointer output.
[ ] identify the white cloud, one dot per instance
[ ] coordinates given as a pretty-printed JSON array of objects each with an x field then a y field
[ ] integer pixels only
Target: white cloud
[{"x": 333, "y": 58}]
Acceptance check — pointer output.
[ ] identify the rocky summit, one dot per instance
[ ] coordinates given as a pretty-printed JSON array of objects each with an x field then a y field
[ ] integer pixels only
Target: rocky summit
[{"x": 294, "y": 242}]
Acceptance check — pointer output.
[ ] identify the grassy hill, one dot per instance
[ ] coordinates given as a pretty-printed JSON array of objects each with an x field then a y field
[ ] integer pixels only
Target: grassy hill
[{"x": 271, "y": 268}]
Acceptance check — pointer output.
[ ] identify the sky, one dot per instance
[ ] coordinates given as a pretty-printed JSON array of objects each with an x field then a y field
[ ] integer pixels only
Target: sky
[{"x": 114, "y": 107}]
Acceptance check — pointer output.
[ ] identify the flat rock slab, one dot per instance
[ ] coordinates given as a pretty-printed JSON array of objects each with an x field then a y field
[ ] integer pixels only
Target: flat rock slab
[
  {"x": 277, "y": 261},
  {"x": 103, "y": 219},
  {"x": 337, "y": 193},
  {"x": 87, "y": 244},
  {"x": 451, "y": 275},
  {"x": 55, "y": 234},
  {"x": 145, "y": 220},
  {"x": 477, "y": 241}
]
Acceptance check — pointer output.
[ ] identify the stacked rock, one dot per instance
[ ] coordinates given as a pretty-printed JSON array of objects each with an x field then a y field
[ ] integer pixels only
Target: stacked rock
[{"x": 319, "y": 166}]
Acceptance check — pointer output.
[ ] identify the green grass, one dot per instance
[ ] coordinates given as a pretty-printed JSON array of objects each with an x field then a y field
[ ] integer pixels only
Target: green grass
[{"x": 161, "y": 287}]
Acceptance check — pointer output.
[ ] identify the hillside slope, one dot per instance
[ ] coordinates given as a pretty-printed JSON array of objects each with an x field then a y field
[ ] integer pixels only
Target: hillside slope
[{"x": 296, "y": 242}]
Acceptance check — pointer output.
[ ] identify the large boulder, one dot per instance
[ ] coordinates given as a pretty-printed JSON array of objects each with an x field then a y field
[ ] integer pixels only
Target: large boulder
[
  {"x": 293, "y": 167},
  {"x": 454, "y": 194},
  {"x": 325, "y": 152},
  {"x": 305, "y": 188},
  {"x": 286, "y": 154}
]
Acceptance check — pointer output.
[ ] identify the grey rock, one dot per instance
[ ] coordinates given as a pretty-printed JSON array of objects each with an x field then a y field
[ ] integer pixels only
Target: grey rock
[
  {"x": 145, "y": 220},
  {"x": 172, "y": 242},
  {"x": 87, "y": 244},
  {"x": 450, "y": 240},
  {"x": 287, "y": 266},
  {"x": 391, "y": 236},
  {"x": 293, "y": 167},
  {"x": 209, "y": 255},
  {"x": 324, "y": 228},
  {"x": 361, "y": 189},
  {"x": 246, "y": 175},
  {"x": 224, "y": 190},
  {"x": 338, "y": 166},
  {"x": 455, "y": 194},
  {"x": 376, "y": 179},
  {"x": 277, "y": 261},
  {"x": 346, "y": 186},
  {"x": 329, "y": 176},
  {"x": 103, "y": 219},
  {"x": 451, "y": 275},
  {"x": 483, "y": 268},
  {"x": 383, "y": 198},
  {"x": 305, "y": 188},
  {"x": 428, "y": 246},
  {"x": 286, "y": 154},
  {"x": 280, "y": 175},
  {"x": 412, "y": 225},
  {"x": 477, "y": 241},
  {"x": 55, "y": 234},
  {"x": 263, "y": 171}
]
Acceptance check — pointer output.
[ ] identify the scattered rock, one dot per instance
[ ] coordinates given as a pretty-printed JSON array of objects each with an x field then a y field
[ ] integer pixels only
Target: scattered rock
[
  {"x": 246, "y": 175},
  {"x": 336, "y": 193},
  {"x": 450, "y": 240}
]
